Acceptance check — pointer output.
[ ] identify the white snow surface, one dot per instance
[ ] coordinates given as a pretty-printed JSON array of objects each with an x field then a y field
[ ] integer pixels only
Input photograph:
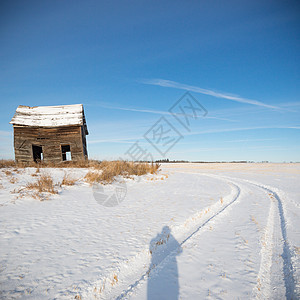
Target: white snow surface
[
  {"x": 194, "y": 231},
  {"x": 49, "y": 116}
]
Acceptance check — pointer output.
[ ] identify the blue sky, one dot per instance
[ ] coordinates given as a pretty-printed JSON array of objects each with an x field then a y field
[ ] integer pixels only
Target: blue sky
[{"x": 128, "y": 62}]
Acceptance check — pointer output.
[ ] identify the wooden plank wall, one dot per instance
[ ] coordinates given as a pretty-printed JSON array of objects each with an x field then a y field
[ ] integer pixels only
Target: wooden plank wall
[{"x": 51, "y": 140}]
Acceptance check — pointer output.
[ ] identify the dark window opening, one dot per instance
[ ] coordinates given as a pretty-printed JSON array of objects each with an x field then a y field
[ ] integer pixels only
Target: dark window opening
[
  {"x": 66, "y": 152},
  {"x": 37, "y": 152}
]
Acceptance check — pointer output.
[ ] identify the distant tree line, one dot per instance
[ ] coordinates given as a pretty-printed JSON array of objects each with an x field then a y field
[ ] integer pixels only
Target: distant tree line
[{"x": 171, "y": 161}]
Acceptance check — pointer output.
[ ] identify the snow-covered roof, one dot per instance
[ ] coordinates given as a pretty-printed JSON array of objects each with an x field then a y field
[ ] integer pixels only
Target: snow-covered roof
[{"x": 49, "y": 116}]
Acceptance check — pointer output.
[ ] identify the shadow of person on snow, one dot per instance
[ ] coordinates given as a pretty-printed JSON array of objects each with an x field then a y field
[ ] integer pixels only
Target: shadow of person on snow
[{"x": 163, "y": 271}]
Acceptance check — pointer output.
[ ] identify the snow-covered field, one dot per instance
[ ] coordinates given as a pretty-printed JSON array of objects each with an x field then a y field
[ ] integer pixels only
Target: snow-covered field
[{"x": 195, "y": 231}]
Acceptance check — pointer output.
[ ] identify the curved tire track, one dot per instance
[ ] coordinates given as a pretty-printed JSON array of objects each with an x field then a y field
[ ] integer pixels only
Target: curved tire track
[
  {"x": 288, "y": 269},
  {"x": 200, "y": 226},
  {"x": 109, "y": 286},
  {"x": 274, "y": 243}
]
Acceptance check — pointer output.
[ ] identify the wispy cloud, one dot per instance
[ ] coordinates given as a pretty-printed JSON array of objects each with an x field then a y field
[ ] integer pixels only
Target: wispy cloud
[
  {"x": 130, "y": 140},
  {"x": 250, "y": 140},
  {"x": 218, "y": 118},
  {"x": 177, "y": 85},
  {"x": 119, "y": 141},
  {"x": 151, "y": 111},
  {"x": 220, "y": 130},
  {"x": 291, "y": 104},
  {"x": 158, "y": 112}
]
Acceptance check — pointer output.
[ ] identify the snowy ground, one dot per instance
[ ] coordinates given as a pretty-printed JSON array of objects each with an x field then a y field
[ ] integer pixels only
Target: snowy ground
[{"x": 195, "y": 231}]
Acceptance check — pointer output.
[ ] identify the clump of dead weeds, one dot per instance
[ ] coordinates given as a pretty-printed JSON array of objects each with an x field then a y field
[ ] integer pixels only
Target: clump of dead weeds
[
  {"x": 43, "y": 184},
  {"x": 68, "y": 180},
  {"x": 7, "y": 163},
  {"x": 13, "y": 180},
  {"x": 37, "y": 172},
  {"x": 8, "y": 173},
  {"x": 107, "y": 171},
  {"x": 93, "y": 176},
  {"x": 88, "y": 163},
  {"x": 41, "y": 189}
]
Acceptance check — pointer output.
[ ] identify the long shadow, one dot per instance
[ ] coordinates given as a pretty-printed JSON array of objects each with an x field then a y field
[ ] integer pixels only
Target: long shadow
[
  {"x": 162, "y": 279},
  {"x": 163, "y": 282},
  {"x": 159, "y": 253}
]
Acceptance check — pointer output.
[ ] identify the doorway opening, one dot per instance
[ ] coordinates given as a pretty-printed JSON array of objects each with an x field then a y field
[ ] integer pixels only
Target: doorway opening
[
  {"x": 66, "y": 152},
  {"x": 37, "y": 152}
]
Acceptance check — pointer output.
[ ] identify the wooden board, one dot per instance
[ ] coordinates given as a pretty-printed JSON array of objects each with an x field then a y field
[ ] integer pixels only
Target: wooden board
[{"x": 51, "y": 140}]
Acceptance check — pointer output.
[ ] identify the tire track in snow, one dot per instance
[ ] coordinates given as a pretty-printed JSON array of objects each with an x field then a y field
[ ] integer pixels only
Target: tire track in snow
[
  {"x": 274, "y": 244},
  {"x": 117, "y": 286},
  {"x": 234, "y": 195},
  {"x": 275, "y": 240},
  {"x": 262, "y": 289}
]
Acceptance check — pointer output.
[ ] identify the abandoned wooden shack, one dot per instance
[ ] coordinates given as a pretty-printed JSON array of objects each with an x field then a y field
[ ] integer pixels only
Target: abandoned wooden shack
[{"x": 50, "y": 133}]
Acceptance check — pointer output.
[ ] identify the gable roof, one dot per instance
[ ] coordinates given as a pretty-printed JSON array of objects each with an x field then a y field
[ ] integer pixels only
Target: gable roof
[{"x": 50, "y": 116}]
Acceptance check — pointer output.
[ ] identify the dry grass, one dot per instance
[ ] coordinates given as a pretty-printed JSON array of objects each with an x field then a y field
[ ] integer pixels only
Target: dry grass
[
  {"x": 131, "y": 168},
  {"x": 104, "y": 172},
  {"x": 7, "y": 163},
  {"x": 114, "y": 280},
  {"x": 8, "y": 173},
  {"x": 92, "y": 176},
  {"x": 111, "y": 169},
  {"x": 43, "y": 184},
  {"x": 40, "y": 189},
  {"x": 63, "y": 164},
  {"x": 68, "y": 180},
  {"x": 13, "y": 180},
  {"x": 16, "y": 170},
  {"x": 37, "y": 171}
]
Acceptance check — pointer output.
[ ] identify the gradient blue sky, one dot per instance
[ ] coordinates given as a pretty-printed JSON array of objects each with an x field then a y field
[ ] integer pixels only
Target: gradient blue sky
[{"x": 128, "y": 62}]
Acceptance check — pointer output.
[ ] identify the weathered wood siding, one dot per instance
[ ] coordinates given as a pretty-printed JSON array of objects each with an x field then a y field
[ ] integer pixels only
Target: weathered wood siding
[{"x": 51, "y": 140}]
